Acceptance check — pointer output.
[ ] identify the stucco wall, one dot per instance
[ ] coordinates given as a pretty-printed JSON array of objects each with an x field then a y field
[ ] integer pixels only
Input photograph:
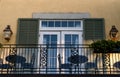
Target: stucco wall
[{"x": 11, "y": 10}]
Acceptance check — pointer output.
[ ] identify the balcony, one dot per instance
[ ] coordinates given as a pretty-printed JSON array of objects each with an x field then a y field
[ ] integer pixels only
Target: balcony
[{"x": 57, "y": 60}]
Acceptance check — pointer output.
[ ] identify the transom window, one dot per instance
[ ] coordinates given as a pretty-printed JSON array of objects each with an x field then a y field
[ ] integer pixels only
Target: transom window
[{"x": 61, "y": 23}]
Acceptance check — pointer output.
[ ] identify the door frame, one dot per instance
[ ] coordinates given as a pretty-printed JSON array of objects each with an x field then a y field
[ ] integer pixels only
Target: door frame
[{"x": 50, "y": 33}]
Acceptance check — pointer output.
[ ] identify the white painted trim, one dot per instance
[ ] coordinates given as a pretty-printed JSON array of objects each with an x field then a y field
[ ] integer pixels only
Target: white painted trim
[{"x": 61, "y": 15}]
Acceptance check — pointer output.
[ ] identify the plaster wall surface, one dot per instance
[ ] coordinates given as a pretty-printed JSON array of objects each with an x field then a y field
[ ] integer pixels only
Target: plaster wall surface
[{"x": 11, "y": 10}]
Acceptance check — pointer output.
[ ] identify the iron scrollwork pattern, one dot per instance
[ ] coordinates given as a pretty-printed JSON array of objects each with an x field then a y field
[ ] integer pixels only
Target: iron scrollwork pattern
[
  {"x": 74, "y": 51},
  {"x": 13, "y": 51},
  {"x": 106, "y": 62},
  {"x": 43, "y": 57}
]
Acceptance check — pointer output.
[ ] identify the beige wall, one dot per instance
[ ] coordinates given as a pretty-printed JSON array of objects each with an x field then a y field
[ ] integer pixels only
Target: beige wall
[{"x": 11, "y": 10}]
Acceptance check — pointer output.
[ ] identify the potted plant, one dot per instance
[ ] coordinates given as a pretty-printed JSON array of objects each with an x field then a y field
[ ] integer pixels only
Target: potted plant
[{"x": 105, "y": 46}]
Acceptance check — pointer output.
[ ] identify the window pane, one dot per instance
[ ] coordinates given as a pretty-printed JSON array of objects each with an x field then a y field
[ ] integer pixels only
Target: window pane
[
  {"x": 71, "y": 23},
  {"x": 64, "y": 23},
  {"x": 57, "y": 23},
  {"x": 75, "y": 39},
  {"x": 51, "y": 23},
  {"x": 67, "y": 40},
  {"x": 77, "y": 23},
  {"x": 53, "y": 39},
  {"x": 44, "y": 23},
  {"x": 46, "y": 39}
]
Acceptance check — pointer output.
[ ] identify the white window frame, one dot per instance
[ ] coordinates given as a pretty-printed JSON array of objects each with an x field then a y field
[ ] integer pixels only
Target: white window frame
[{"x": 61, "y": 28}]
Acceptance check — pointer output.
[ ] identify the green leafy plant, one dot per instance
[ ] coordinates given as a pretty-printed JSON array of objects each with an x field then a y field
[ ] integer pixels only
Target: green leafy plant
[{"x": 105, "y": 46}]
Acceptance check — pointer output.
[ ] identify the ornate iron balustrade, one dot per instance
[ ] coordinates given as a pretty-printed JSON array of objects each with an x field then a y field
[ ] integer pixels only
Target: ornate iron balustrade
[{"x": 55, "y": 59}]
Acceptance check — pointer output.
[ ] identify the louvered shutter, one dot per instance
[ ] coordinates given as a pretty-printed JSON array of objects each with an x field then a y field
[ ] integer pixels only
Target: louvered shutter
[
  {"x": 94, "y": 29},
  {"x": 27, "y": 31}
]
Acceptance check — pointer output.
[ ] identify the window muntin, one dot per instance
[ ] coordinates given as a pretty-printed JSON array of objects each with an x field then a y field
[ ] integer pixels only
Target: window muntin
[{"x": 61, "y": 23}]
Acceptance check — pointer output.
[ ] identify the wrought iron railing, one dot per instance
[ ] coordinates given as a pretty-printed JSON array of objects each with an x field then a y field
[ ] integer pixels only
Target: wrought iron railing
[{"x": 56, "y": 59}]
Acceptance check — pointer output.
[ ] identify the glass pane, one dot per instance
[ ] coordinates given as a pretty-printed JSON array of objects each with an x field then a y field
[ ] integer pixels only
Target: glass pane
[
  {"x": 46, "y": 39},
  {"x": 53, "y": 40},
  {"x": 51, "y": 23},
  {"x": 67, "y": 39},
  {"x": 53, "y": 51},
  {"x": 64, "y": 23},
  {"x": 67, "y": 46},
  {"x": 52, "y": 58},
  {"x": 44, "y": 23},
  {"x": 75, "y": 40},
  {"x": 77, "y": 24},
  {"x": 71, "y": 23},
  {"x": 57, "y": 24}
]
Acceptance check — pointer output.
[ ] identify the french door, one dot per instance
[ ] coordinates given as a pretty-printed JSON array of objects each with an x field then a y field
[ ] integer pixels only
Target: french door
[
  {"x": 53, "y": 41},
  {"x": 70, "y": 40}
]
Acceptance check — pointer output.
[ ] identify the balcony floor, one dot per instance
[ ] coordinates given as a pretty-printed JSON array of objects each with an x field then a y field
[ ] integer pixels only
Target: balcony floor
[{"x": 59, "y": 75}]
